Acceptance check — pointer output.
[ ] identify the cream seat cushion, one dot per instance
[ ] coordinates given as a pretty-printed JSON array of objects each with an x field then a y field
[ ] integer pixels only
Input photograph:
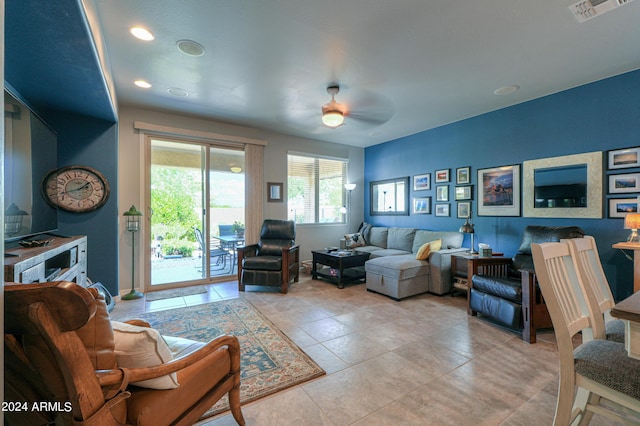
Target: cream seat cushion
[{"x": 139, "y": 347}]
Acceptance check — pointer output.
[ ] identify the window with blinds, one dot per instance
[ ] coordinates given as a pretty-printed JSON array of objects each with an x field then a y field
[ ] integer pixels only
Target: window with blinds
[{"x": 316, "y": 191}]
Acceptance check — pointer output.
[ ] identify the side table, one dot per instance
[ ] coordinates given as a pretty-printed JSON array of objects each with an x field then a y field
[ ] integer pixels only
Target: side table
[{"x": 466, "y": 265}]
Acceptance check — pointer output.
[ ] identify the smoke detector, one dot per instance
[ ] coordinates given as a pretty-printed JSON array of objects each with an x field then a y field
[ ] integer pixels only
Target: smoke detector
[{"x": 589, "y": 9}]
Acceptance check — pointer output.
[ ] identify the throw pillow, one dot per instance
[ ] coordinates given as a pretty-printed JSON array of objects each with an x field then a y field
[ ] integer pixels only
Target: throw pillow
[
  {"x": 139, "y": 347},
  {"x": 354, "y": 240},
  {"x": 427, "y": 248}
]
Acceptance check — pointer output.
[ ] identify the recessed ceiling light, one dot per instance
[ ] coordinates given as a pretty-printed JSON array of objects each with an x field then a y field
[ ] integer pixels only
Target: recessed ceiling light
[
  {"x": 176, "y": 91},
  {"x": 142, "y": 83},
  {"x": 190, "y": 47},
  {"x": 142, "y": 33},
  {"x": 505, "y": 90}
]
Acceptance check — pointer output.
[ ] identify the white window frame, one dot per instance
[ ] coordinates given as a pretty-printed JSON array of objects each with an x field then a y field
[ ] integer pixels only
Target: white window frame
[{"x": 313, "y": 206}]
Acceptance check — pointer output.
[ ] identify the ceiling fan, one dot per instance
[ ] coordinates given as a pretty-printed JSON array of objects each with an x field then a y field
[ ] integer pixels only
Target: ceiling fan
[
  {"x": 358, "y": 108},
  {"x": 333, "y": 112},
  {"x": 365, "y": 107}
]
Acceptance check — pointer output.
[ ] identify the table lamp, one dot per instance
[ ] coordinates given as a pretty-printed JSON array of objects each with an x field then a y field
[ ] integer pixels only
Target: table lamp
[
  {"x": 467, "y": 228},
  {"x": 632, "y": 221},
  {"x": 133, "y": 225}
]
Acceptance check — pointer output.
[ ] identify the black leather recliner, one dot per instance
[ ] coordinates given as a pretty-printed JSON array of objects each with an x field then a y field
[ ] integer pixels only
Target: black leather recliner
[
  {"x": 274, "y": 261},
  {"x": 515, "y": 300}
]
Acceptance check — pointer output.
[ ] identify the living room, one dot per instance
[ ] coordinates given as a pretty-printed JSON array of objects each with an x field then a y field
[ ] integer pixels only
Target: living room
[{"x": 600, "y": 116}]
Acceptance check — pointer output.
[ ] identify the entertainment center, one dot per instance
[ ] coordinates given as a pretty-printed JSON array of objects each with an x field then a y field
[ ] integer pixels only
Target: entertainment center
[{"x": 62, "y": 259}]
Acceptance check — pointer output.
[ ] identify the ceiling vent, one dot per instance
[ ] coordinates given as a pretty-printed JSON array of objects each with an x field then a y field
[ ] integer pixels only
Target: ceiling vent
[{"x": 588, "y": 9}]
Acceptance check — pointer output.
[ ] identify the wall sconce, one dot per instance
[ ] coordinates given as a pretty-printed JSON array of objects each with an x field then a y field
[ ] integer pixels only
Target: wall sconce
[
  {"x": 133, "y": 216},
  {"x": 632, "y": 221},
  {"x": 13, "y": 217},
  {"x": 467, "y": 228}
]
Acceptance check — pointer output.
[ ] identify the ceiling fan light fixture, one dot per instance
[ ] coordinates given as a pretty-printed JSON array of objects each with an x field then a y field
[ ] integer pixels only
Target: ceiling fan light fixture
[{"x": 332, "y": 118}]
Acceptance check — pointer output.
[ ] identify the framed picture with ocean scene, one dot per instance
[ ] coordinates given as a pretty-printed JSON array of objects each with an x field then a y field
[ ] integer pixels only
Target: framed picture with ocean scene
[
  {"x": 499, "y": 191},
  {"x": 422, "y": 182}
]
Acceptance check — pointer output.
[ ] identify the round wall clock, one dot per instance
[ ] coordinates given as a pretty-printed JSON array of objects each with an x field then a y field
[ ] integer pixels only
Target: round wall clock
[{"x": 76, "y": 189}]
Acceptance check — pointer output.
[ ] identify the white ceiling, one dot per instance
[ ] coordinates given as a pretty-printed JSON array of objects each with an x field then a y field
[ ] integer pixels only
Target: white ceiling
[{"x": 403, "y": 66}]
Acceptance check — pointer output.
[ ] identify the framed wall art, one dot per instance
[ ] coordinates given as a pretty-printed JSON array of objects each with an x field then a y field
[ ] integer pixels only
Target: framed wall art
[
  {"x": 274, "y": 192},
  {"x": 442, "y": 176},
  {"x": 464, "y": 192},
  {"x": 620, "y": 207},
  {"x": 422, "y": 182},
  {"x": 463, "y": 175},
  {"x": 422, "y": 205},
  {"x": 628, "y": 182},
  {"x": 442, "y": 210},
  {"x": 566, "y": 186},
  {"x": 624, "y": 158},
  {"x": 499, "y": 191},
  {"x": 442, "y": 193},
  {"x": 464, "y": 209}
]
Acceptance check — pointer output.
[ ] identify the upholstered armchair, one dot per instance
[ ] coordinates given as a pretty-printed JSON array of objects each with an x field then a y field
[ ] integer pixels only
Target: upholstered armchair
[
  {"x": 63, "y": 353},
  {"x": 274, "y": 261},
  {"x": 514, "y": 299}
]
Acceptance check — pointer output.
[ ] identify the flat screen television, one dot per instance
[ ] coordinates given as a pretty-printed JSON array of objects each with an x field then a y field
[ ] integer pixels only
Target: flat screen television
[
  {"x": 30, "y": 152},
  {"x": 560, "y": 187}
]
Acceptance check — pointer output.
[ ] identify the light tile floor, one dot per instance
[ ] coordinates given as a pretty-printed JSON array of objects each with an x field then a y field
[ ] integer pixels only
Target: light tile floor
[{"x": 421, "y": 361}]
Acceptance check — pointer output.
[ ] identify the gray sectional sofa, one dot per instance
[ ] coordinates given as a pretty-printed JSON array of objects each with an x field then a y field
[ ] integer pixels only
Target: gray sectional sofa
[{"x": 393, "y": 269}]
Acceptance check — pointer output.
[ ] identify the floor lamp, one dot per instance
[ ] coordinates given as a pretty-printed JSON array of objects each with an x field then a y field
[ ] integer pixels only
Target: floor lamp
[
  {"x": 349, "y": 187},
  {"x": 133, "y": 225}
]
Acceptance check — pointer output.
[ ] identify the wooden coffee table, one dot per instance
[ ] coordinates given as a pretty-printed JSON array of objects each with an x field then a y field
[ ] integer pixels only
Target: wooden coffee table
[{"x": 340, "y": 267}]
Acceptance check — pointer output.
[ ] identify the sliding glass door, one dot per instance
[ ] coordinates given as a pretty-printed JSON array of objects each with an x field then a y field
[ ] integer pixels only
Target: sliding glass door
[{"x": 196, "y": 201}]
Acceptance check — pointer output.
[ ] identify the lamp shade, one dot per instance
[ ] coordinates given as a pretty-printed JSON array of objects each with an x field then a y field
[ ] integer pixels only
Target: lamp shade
[
  {"x": 632, "y": 221},
  {"x": 332, "y": 118},
  {"x": 349, "y": 186},
  {"x": 467, "y": 228},
  {"x": 133, "y": 219}
]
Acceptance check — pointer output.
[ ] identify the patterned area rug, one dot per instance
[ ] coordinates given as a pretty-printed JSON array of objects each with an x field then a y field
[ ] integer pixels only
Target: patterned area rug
[
  {"x": 174, "y": 292},
  {"x": 270, "y": 362}
]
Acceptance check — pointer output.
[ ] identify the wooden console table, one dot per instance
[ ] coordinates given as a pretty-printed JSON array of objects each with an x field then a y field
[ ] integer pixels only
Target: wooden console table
[
  {"x": 63, "y": 259},
  {"x": 636, "y": 261}
]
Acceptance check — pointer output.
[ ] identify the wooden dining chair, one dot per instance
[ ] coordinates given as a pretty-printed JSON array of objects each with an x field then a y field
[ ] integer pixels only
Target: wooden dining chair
[
  {"x": 585, "y": 253},
  {"x": 597, "y": 370}
]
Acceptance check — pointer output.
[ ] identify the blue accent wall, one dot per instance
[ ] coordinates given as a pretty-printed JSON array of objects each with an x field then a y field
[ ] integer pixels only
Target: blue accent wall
[
  {"x": 92, "y": 142},
  {"x": 600, "y": 116}
]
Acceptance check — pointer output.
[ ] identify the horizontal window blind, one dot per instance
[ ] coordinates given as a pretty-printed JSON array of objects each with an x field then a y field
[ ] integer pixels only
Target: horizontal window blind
[{"x": 316, "y": 189}]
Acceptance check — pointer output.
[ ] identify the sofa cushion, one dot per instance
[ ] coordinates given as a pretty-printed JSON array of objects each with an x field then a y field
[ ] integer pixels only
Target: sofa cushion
[
  {"x": 400, "y": 238},
  {"x": 139, "y": 347},
  {"x": 398, "y": 267},
  {"x": 387, "y": 252},
  {"x": 365, "y": 231},
  {"x": 428, "y": 248},
  {"x": 354, "y": 240},
  {"x": 368, "y": 249},
  {"x": 378, "y": 236},
  {"x": 450, "y": 239}
]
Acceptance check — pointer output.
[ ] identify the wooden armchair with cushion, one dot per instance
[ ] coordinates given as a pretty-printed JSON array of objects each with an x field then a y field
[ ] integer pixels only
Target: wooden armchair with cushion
[
  {"x": 62, "y": 353},
  {"x": 274, "y": 261}
]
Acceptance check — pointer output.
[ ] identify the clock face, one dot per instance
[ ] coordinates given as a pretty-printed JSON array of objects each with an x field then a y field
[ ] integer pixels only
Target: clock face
[{"x": 76, "y": 189}]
